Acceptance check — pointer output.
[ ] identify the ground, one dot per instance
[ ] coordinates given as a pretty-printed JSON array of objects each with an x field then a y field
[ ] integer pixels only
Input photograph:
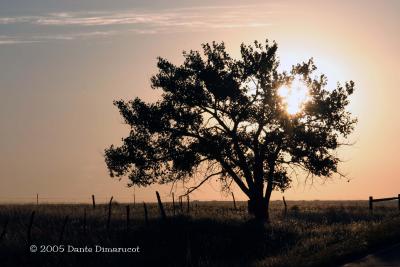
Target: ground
[
  {"x": 316, "y": 233},
  {"x": 387, "y": 257}
]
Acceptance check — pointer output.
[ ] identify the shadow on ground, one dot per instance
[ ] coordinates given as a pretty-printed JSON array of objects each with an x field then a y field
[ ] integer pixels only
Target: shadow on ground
[{"x": 180, "y": 241}]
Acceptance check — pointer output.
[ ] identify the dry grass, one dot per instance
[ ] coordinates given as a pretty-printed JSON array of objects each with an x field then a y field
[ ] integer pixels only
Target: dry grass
[{"x": 316, "y": 233}]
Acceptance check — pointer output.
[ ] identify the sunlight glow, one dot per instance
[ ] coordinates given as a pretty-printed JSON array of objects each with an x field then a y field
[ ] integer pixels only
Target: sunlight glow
[{"x": 294, "y": 96}]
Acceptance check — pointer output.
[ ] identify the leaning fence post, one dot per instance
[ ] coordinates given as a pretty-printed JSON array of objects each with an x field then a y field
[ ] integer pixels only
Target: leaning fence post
[
  {"x": 127, "y": 217},
  {"x": 63, "y": 228},
  {"x": 30, "y": 226},
  {"x": 284, "y": 203},
  {"x": 371, "y": 200},
  {"x": 161, "y": 207},
  {"x": 234, "y": 201},
  {"x": 146, "y": 218},
  {"x": 93, "y": 202},
  {"x": 109, "y": 213}
]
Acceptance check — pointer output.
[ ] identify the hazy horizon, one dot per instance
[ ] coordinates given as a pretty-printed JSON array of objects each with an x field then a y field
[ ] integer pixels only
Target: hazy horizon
[{"x": 63, "y": 63}]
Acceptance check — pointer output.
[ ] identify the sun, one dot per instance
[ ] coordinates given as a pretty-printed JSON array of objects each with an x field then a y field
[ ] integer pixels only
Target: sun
[{"x": 294, "y": 96}]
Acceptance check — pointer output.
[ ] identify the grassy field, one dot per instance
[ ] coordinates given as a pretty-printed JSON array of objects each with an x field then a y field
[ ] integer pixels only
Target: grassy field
[{"x": 316, "y": 233}]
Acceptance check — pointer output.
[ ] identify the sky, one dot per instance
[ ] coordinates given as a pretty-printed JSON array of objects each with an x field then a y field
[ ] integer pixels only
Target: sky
[{"x": 62, "y": 63}]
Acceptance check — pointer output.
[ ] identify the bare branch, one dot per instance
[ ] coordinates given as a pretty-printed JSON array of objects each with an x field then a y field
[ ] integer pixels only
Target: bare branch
[{"x": 193, "y": 188}]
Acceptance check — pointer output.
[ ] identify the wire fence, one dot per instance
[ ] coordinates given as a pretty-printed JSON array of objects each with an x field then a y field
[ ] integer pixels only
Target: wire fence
[{"x": 35, "y": 199}]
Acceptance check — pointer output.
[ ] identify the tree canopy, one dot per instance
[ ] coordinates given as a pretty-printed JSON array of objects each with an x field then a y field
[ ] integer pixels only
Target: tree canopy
[{"x": 224, "y": 117}]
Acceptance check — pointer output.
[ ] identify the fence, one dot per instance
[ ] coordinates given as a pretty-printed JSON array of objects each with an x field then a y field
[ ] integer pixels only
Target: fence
[
  {"x": 372, "y": 200},
  {"x": 67, "y": 220}
]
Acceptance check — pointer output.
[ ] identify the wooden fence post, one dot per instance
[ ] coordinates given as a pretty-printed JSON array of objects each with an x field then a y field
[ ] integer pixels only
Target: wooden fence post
[
  {"x": 188, "y": 204},
  {"x": 161, "y": 207},
  {"x": 146, "y": 218},
  {"x": 84, "y": 221},
  {"x": 93, "y": 202},
  {"x": 109, "y": 213},
  {"x": 284, "y": 203},
  {"x": 173, "y": 204},
  {"x": 398, "y": 199},
  {"x": 63, "y": 229},
  {"x": 371, "y": 200},
  {"x": 3, "y": 233},
  {"x": 127, "y": 217},
  {"x": 30, "y": 226},
  {"x": 134, "y": 198},
  {"x": 37, "y": 199},
  {"x": 234, "y": 201}
]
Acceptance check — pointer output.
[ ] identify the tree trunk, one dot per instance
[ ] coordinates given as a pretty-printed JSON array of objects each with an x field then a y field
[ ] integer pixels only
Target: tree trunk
[{"x": 259, "y": 208}]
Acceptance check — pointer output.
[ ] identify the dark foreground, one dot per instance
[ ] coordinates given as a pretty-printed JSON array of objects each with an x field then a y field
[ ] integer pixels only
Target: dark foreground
[
  {"x": 212, "y": 234},
  {"x": 388, "y": 257}
]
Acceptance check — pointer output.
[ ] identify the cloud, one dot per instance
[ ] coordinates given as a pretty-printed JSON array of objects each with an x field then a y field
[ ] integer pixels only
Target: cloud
[
  {"x": 77, "y": 35},
  {"x": 14, "y": 20},
  {"x": 10, "y": 40},
  {"x": 96, "y": 24},
  {"x": 149, "y": 19}
]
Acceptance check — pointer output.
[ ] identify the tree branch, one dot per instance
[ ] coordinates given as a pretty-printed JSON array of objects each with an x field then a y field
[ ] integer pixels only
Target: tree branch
[{"x": 193, "y": 188}]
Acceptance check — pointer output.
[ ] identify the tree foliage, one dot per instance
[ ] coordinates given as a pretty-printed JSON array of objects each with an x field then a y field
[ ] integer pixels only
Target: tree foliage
[{"x": 225, "y": 118}]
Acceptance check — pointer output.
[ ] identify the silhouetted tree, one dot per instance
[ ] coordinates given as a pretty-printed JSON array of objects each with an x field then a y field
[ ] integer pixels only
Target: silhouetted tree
[{"x": 224, "y": 117}]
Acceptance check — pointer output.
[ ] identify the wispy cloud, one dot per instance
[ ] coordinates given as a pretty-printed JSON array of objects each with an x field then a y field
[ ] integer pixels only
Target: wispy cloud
[
  {"x": 97, "y": 23},
  {"x": 114, "y": 19},
  {"x": 10, "y": 40},
  {"x": 13, "y": 20}
]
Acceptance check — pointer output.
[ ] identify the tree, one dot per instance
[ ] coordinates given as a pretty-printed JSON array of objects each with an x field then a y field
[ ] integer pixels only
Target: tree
[{"x": 225, "y": 118}]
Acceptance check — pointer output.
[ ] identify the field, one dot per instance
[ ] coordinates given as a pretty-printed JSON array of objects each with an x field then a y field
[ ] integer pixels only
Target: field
[{"x": 316, "y": 233}]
